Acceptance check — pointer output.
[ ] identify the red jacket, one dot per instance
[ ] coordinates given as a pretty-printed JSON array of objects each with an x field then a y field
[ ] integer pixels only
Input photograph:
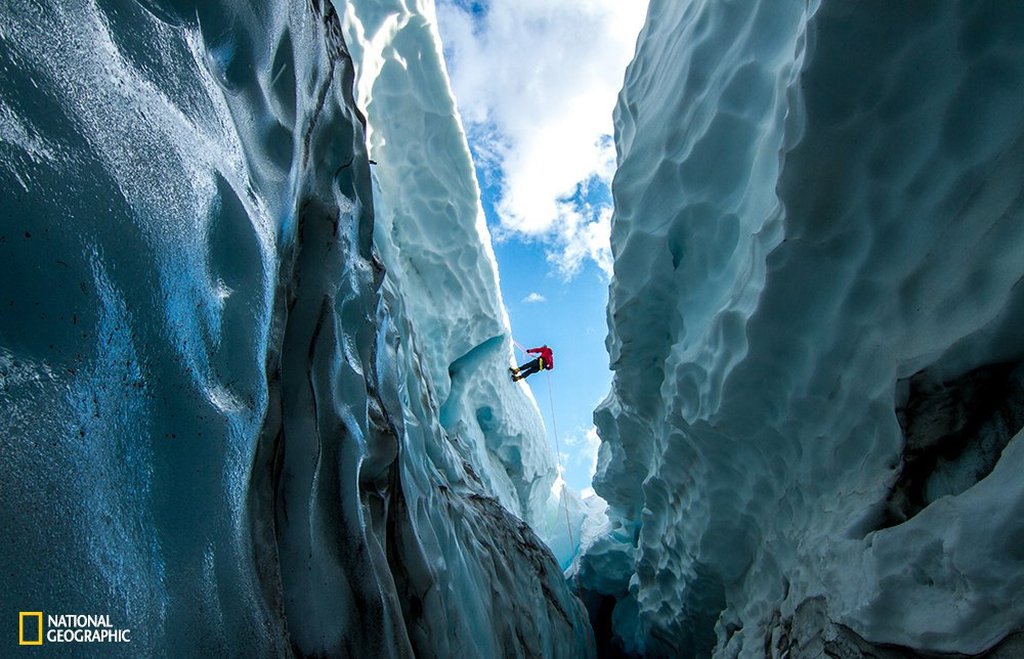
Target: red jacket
[{"x": 545, "y": 354}]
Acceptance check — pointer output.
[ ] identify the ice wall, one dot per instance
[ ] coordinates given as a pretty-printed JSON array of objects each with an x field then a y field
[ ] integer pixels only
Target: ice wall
[
  {"x": 435, "y": 245},
  {"x": 812, "y": 444},
  {"x": 226, "y": 424}
]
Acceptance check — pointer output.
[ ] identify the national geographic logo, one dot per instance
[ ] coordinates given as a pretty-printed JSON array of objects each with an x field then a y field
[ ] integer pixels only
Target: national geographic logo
[
  {"x": 29, "y": 632},
  {"x": 68, "y": 628}
]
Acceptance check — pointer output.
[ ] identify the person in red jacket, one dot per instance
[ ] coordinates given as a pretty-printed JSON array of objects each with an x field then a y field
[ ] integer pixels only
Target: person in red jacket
[{"x": 544, "y": 362}]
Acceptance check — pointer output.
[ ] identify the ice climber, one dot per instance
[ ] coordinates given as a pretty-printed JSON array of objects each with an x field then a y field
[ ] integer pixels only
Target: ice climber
[{"x": 544, "y": 362}]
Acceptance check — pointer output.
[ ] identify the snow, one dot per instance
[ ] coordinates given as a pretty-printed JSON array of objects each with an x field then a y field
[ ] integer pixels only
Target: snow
[
  {"x": 434, "y": 242},
  {"x": 436, "y": 248},
  {"x": 254, "y": 386},
  {"x": 256, "y": 397},
  {"x": 818, "y": 205}
]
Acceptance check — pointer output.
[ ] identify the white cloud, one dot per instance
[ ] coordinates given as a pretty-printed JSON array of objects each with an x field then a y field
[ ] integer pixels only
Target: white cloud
[
  {"x": 587, "y": 442},
  {"x": 585, "y": 234},
  {"x": 534, "y": 297},
  {"x": 536, "y": 83},
  {"x": 559, "y": 483},
  {"x": 590, "y": 448}
]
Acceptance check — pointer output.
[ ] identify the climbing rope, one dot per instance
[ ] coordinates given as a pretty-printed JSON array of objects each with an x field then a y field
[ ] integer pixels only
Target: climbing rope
[
  {"x": 565, "y": 503},
  {"x": 558, "y": 458},
  {"x": 565, "y": 500}
]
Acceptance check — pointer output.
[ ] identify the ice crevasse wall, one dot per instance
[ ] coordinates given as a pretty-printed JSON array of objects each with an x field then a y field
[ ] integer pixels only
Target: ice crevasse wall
[
  {"x": 812, "y": 445},
  {"x": 245, "y": 385}
]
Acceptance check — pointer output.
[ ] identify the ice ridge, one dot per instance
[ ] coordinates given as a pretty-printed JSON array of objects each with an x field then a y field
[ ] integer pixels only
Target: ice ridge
[
  {"x": 813, "y": 430},
  {"x": 242, "y": 414}
]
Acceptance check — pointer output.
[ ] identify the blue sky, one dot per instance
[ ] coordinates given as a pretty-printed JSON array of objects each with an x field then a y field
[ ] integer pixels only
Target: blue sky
[
  {"x": 570, "y": 319},
  {"x": 536, "y": 83}
]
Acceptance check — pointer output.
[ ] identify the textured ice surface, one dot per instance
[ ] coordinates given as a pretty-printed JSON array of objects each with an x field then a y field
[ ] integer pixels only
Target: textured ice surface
[
  {"x": 815, "y": 330},
  {"x": 226, "y": 424},
  {"x": 434, "y": 243}
]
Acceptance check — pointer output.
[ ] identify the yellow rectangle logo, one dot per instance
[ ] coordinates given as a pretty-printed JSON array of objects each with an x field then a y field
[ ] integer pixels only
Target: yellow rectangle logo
[{"x": 28, "y": 615}]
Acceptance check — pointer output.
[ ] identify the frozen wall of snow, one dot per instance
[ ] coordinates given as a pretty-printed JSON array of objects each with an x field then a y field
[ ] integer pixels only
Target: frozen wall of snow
[
  {"x": 435, "y": 245},
  {"x": 812, "y": 442},
  {"x": 226, "y": 424}
]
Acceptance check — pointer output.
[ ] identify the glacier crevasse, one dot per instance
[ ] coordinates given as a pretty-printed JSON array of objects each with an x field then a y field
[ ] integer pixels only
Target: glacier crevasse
[
  {"x": 228, "y": 424},
  {"x": 812, "y": 441}
]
